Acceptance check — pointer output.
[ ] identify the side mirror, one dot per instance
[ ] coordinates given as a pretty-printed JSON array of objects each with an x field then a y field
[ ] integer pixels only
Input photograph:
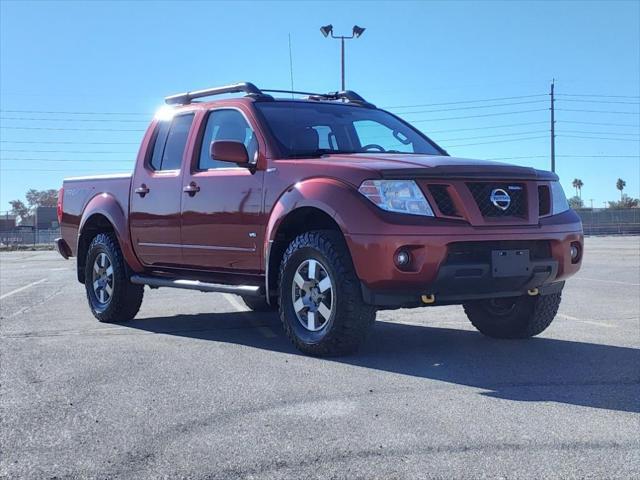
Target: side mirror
[{"x": 229, "y": 151}]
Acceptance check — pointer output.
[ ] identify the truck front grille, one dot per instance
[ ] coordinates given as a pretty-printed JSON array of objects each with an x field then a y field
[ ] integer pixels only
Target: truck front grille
[
  {"x": 482, "y": 192},
  {"x": 440, "y": 194}
]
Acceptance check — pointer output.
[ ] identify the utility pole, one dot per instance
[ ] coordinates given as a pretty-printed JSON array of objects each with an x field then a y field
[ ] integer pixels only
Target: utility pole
[
  {"x": 553, "y": 129},
  {"x": 591, "y": 200},
  {"x": 342, "y": 61}
]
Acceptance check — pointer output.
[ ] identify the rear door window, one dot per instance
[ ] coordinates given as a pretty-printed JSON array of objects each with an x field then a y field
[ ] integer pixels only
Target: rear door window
[{"x": 170, "y": 143}]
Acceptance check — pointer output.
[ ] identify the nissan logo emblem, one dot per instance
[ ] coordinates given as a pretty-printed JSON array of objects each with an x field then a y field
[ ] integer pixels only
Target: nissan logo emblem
[{"x": 500, "y": 198}]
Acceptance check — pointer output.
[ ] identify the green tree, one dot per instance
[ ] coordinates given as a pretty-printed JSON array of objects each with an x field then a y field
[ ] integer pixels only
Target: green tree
[
  {"x": 19, "y": 209},
  {"x": 35, "y": 198},
  {"x": 576, "y": 202},
  {"x": 41, "y": 198},
  {"x": 620, "y": 184},
  {"x": 578, "y": 184},
  {"x": 625, "y": 202}
]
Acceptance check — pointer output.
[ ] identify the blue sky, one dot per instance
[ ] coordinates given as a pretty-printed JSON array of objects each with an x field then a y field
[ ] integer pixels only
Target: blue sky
[{"x": 111, "y": 64}]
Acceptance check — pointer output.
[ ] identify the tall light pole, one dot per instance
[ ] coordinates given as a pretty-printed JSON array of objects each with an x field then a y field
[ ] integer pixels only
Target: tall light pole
[{"x": 356, "y": 33}]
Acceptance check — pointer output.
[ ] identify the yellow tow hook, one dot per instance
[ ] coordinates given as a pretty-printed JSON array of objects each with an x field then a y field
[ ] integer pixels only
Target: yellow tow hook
[
  {"x": 428, "y": 299},
  {"x": 532, "y": 292}
]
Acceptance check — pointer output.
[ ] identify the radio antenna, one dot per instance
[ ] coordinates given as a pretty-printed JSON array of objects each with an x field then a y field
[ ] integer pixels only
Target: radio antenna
[{"x": 291, "y": 65}]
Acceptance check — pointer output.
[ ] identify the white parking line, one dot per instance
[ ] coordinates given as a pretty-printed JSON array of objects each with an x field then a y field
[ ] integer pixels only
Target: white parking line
[
  {"x": 591, "y": 322},
  {"x": 608, "y": 281},
  {"x": 238, "y": 306},
  {"x": 17, "y": 290}
]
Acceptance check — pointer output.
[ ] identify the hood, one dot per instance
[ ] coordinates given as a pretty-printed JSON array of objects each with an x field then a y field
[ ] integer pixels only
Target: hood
[{"x": 433, "y": 166}]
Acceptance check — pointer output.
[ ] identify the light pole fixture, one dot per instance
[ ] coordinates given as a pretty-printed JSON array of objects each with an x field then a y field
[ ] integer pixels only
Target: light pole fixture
[{"x": 355, "y": 33}]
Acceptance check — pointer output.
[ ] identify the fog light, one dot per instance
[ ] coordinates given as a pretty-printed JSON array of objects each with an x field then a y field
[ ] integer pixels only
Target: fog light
[
  {"x": 403, "y": 258},
  {"x": 574, "y": 251}
]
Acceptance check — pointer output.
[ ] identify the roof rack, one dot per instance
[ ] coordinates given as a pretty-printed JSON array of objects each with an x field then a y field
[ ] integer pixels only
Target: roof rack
[
  {"x": 348, "y": 95},
  {"x": 186, "y": 98},
  {"x": 252, "y": 91}
]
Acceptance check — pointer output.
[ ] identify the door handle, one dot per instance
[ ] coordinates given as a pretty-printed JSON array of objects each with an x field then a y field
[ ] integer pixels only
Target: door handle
[
  {"x": 142, "y": 190},
  {"x": 191, "y": 189}
]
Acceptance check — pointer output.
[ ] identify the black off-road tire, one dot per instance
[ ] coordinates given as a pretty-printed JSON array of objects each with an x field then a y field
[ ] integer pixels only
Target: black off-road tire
[
  {"x": 126, "y": 297},
  {"x": 259, "y": 304},
  {"x": 351, "y": 318},
  {"x": 526, "y": 317}
]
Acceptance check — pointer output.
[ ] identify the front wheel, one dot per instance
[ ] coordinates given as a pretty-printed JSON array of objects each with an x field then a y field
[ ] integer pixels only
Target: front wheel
[
  {"x": 321, "y": 306},
  {"x": 519, "y": 317},
  {"x": 112, "y": 297}
]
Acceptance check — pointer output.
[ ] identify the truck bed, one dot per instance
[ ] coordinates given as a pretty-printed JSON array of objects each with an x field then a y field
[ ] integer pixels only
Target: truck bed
[{"x": 79, "y": 191}]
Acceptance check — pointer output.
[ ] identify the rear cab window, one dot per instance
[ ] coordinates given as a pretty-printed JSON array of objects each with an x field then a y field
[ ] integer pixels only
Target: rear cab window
[{"x": 170, "y": 142}]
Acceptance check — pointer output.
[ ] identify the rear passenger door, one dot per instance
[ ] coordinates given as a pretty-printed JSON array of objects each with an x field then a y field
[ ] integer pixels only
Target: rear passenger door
[{"x": 156, "y": 193}]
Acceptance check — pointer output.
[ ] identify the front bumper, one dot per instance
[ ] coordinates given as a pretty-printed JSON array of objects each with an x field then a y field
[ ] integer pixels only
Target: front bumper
[{"x": 432, "y": 271}]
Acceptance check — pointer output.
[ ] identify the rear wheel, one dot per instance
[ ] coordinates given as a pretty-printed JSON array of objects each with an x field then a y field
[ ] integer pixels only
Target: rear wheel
[
  {"x": 112, "y": 298},
  {"x": 321, "y": 306},
  {"x": 519, "y": 317}
]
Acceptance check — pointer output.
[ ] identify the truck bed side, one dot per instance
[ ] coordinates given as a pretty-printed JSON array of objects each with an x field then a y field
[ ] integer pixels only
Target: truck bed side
[{"x": 92, "y": 195}]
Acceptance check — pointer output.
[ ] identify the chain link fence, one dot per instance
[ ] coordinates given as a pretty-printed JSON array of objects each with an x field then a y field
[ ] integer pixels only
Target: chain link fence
[
  {"x": 595, "y": 222},
  {"x": 609, "y": 221},
  {"x": 25, "y": 236}
]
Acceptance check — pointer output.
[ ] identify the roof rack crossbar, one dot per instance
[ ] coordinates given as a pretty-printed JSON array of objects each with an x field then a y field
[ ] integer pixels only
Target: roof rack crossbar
[{"x": 187, "y": 97}]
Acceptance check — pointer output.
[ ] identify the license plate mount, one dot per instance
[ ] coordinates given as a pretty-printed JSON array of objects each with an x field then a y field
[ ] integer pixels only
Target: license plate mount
[{"x": 510, "y": 263}]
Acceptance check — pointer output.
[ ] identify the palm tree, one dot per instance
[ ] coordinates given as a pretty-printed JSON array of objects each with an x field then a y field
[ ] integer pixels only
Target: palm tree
[
  {"x": 620, "y": 184},
  {"x": 578, "y": 184}
]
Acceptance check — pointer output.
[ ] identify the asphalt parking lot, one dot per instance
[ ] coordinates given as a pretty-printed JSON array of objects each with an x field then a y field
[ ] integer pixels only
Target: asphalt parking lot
[{"x": 197, "y": 387}]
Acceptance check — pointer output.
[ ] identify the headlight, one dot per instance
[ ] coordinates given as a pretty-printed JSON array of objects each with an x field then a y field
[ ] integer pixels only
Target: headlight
[
  {"x": 401, "y": 196},
  {"x": 558, "y": 199}
]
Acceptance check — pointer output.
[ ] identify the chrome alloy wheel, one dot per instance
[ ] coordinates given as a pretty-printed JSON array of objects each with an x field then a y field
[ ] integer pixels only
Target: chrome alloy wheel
[
  {"x": 102, "y": 279},
  {"x": 312, "y": 295}
]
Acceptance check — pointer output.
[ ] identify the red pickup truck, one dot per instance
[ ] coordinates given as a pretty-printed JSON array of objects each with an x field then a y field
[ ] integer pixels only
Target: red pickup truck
[{"x": 325, "y": 208}]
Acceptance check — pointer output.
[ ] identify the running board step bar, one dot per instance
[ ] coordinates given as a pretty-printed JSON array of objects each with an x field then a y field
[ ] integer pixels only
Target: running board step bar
[{"x": 244, "y": 290}]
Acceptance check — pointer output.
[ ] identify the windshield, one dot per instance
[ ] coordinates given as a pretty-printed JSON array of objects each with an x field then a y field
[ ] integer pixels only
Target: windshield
[{"x": 305, "y": 129}]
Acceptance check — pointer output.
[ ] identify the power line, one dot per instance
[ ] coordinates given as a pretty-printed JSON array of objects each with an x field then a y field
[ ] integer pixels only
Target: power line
[
  {"x": 73, "y": 120},
  {"x": 61, "y": 160},
  {"x": 491, "y": 136},
  {"x": 74, "y": 113},
  {"x": 600, "y": 138},
  {"x": 599, "y": 156},
  {"x": 474, "y": 107},
  {"x": 467, "y": 101},
  {"x": 509, "y": 125},
  {"x": 73, "y": 129},
  {"x": 596, "y": 111},
  {"x": 57, "y": 170},
  {"x": 598, "y": 101},
  {"x": 479, "y": 116},
  {"x": 71, "y": 143},
  {"x": 496, "y": 141},
  {"x": 518, "y": 158},
  {"x": 602, "y": 133},
  {"x": 596, "y": 95},
  {"x": 65, "y": 151},
  {"x": 601, "y": 124}
]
